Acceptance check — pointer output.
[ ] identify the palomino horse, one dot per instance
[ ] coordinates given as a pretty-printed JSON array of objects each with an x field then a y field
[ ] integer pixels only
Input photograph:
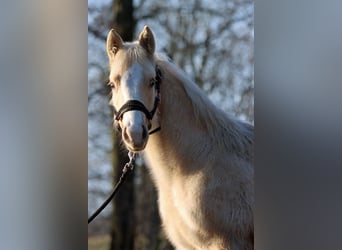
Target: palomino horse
[{"x": 201, "y": 160}]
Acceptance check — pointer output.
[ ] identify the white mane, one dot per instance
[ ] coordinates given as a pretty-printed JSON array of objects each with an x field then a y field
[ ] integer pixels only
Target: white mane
[{"x": 237, "y": 135}]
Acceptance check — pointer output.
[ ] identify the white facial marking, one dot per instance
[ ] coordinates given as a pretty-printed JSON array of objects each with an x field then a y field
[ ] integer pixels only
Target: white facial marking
[
  {"x": 133, "y": 120},
  {"x": 132, "y": 79}
]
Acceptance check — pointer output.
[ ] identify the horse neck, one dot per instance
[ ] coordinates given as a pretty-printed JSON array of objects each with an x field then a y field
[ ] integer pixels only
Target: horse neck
[
  {"x": 192, "y": 127},
  {"x": 182, "y": 138}
]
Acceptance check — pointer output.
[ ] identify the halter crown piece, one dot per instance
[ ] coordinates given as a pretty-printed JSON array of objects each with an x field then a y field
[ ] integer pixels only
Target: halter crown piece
[{"x": 137, "y": 105}]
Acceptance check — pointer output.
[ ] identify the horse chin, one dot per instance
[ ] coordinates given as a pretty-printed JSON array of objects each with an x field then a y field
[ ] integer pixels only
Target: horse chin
[{"x": 135, "y": 147}]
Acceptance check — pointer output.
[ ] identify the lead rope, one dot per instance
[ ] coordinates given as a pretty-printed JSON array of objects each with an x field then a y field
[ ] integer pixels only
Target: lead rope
[{"x": 129, "y": 166}]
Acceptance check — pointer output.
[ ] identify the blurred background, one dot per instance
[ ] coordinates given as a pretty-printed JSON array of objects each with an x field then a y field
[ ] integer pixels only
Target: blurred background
[{"x": 212, "y": 41}]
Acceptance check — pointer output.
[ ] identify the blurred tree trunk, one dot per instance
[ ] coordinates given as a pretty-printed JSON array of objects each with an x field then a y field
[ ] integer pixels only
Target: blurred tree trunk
[
  {"x": 147, "y": 218},
  {"x": 123, "y": 21},
  {"x": 123, "y": 205}
]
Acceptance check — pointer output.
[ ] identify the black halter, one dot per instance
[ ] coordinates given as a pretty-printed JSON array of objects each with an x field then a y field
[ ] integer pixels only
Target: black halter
[{"x": 137, "y": 105}]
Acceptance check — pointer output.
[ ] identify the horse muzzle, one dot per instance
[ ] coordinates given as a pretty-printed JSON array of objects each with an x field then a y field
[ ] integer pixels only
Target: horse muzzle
[{"x": 135, "y": 137}]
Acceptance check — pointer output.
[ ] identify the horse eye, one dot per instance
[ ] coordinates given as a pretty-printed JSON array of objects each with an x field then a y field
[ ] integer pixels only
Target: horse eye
[
  {"x": 152, "y": 82},
  {"x": 115, "y": 83},
  {"x": 111, "y": 84}
]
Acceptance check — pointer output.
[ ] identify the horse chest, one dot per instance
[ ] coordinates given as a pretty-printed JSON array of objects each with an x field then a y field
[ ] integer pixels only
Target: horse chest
[{"x": 179, "y": 205}]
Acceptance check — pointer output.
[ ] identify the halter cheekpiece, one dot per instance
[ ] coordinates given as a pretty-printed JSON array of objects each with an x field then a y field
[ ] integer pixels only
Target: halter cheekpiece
[{"x": 137, "y": 105}]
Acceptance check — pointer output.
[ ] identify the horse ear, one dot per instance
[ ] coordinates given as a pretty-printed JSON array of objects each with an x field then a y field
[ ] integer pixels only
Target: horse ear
[
  {"x": 146, "y": 40},
  {"x": 114, "y": 43}
]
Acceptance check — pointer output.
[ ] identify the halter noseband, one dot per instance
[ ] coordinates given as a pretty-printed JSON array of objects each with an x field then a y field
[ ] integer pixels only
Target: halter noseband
[{"x": 137, "y": 105}]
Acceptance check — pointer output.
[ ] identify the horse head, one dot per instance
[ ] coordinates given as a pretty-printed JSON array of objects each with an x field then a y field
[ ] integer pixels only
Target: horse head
[{"x": 134, "y": 81}]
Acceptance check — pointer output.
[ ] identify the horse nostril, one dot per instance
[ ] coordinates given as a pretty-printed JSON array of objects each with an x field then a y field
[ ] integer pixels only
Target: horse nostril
[
  {"x": 126, "y": 136},
  {"x": 144, "y": 133}
]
